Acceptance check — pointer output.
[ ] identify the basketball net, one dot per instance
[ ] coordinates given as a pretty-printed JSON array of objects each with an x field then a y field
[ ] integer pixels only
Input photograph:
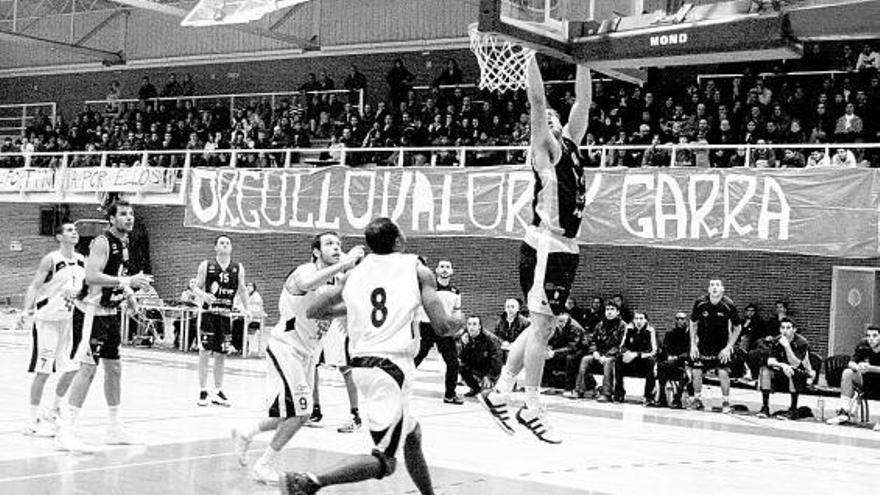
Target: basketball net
[{"x": 503, "y": 62}]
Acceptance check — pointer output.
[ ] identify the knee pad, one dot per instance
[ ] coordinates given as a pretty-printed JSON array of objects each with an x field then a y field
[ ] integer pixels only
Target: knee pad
[{"x": 388, "y": 463}]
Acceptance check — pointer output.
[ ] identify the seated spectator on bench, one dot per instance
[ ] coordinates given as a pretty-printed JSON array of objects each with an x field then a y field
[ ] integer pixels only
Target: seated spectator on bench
[
  {"x": 747, "y": 349},
  {"x": 511, "y": 323},
  {"x": 564, "y": 350},
  {"x": 672, "y": 360},
  {"x": 601, "y": 354},
  {"x": 637, "y": 354},
  {"x": 480, "y": 356},
  {"x": 862, "y": 373},
  {"x": 788, "y": 368}
]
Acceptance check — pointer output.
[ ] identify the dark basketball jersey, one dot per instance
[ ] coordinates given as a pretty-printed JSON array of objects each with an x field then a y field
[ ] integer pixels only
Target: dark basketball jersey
[
  {"x": 560, "y": 197},
  {"x": 714, "y": 321},
  {"x": 222, "y": 284},
  {"x": 116, "y": 266}
]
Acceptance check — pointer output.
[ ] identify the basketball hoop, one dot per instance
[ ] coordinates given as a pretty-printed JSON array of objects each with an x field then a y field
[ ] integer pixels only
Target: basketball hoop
[{"x": 503, "y": 62}]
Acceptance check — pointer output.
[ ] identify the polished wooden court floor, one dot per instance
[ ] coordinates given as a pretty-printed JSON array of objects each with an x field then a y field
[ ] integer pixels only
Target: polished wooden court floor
[{"x": 608, "y": 449}]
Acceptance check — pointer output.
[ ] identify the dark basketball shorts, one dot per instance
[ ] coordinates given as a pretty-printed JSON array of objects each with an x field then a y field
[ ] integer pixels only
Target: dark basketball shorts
[
  {"x": 870, "y": 386},
  {"x": 546, "y": 279},
  {"x": 780, "y": 383},
  {"x": 216, "y": 332},
  {"x": 709, "y": 361},
  {"x": 104, "y": 336}
]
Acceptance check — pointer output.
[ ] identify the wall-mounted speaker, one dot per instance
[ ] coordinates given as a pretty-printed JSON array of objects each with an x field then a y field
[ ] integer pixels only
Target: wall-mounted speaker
[{"x": 53, "y": 216}]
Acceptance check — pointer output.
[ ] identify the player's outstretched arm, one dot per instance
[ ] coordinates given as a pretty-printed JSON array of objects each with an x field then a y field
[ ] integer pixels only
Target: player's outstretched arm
[
  {"x": 305, "y": 278},
  {"x": 578, "y": 117},
  {"x": 43, "y": 270},
  {"x": 541, "y": 139},
  {"x": 328, "y": 303},
  {"x": 445, "y": 325},
  {"x": 98, "y": 254}
]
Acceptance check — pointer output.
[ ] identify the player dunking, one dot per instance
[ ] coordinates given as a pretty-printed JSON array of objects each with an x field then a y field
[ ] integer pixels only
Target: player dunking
[
  {"x": 107, "y": 285},
  {"x": 381, "y": 296},
  {"x": 49, "y": 299},
  {"x": 292, "y": 352},
  {"x": 549, "y": 252},
  {"x": 218, "y": 282}
]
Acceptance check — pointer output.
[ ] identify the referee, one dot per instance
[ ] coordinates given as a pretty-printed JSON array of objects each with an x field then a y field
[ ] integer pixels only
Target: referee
[
  {"x": 451, "y": 298},
  {"x": 714, "y": 328}
]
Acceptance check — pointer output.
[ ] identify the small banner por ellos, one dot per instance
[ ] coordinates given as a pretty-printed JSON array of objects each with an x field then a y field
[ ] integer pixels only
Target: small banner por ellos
[
  {"x": 826, "y": 212},
  {"x": 88, "y": 179}
]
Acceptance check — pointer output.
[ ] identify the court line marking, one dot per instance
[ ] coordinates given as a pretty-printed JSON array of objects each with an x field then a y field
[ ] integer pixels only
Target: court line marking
[{"x": 115, "y": 466}]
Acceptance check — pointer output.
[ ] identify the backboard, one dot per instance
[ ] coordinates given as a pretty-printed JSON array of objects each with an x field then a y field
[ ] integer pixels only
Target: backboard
[
  {"x": 622, "y": 34},
  {"x": 617, "y": 34}
]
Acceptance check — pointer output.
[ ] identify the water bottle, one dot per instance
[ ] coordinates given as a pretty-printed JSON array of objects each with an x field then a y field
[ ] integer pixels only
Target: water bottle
[{"x": 820, "y": 405}]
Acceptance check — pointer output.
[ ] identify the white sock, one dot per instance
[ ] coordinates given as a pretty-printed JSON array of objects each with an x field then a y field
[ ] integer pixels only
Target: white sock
[
  {"x": 56, "y": 403},
  {"x": 532, "y": 400},
  {"x": 270, "y": 456},
  {"x": 505, "y": 381},
  {"x": 73, "y": 415},
  {"x": 114, "y": 416},
  {"x": 34, "y": 413}
]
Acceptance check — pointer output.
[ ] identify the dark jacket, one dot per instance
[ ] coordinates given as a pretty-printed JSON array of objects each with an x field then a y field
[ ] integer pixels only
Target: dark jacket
[
  {"x": 641, "y": 341},
  {"x": 569, "y": 339},
  {"x": 676, "y": 343},
  {"x": 607, "y": 336},
  {"x": 508, "y": 332},
  {"x": 483, "y": 352}
]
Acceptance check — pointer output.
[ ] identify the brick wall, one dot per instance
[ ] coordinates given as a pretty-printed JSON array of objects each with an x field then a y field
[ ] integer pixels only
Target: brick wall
[{"x": 659, "y": 281}]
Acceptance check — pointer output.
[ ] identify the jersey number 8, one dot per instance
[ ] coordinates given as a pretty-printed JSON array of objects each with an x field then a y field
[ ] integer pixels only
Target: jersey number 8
[{"x": 380, "y": 311}]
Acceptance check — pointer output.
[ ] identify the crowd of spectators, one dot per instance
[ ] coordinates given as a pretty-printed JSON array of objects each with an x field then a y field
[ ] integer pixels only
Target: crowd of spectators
[
  {"x": 739, "y": 110},
  {"x": 608, "y": 339}
]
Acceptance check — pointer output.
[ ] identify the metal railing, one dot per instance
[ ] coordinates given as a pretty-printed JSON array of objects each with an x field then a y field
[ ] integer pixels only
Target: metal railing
[
  {"x": 604, "y": 156},
  {"x": 16, "y": 118},
  {"x": 762, "y": 75},
  {"x": 112, "y": 105}
]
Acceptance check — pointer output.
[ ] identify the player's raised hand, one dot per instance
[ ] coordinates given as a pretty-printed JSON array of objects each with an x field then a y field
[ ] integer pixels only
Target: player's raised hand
[{"x": 354, "y": 256}]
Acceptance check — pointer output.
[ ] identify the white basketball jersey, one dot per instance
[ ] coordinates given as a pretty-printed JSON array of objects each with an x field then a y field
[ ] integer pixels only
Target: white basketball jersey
[
  {"x": 294, "y": 329},
  {"x": 382, "y": 297},
  {"x": 67, "y": 273}
]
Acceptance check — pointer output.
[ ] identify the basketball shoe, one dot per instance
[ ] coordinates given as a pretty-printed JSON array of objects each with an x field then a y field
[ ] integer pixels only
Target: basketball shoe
[
  {"x": 119, "y": 435},
  {"x": 352, "y": 426},
  {"x": 498, "y": 408},
  {"x": 67, "y": 441},
  {"x": 538, "y": 423},
  {"x": 220, "y": 399},
  {"x": 40, "y": 429},
  {"x": 298, "y": 484},
  {"x": 266, "y": 473}
]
